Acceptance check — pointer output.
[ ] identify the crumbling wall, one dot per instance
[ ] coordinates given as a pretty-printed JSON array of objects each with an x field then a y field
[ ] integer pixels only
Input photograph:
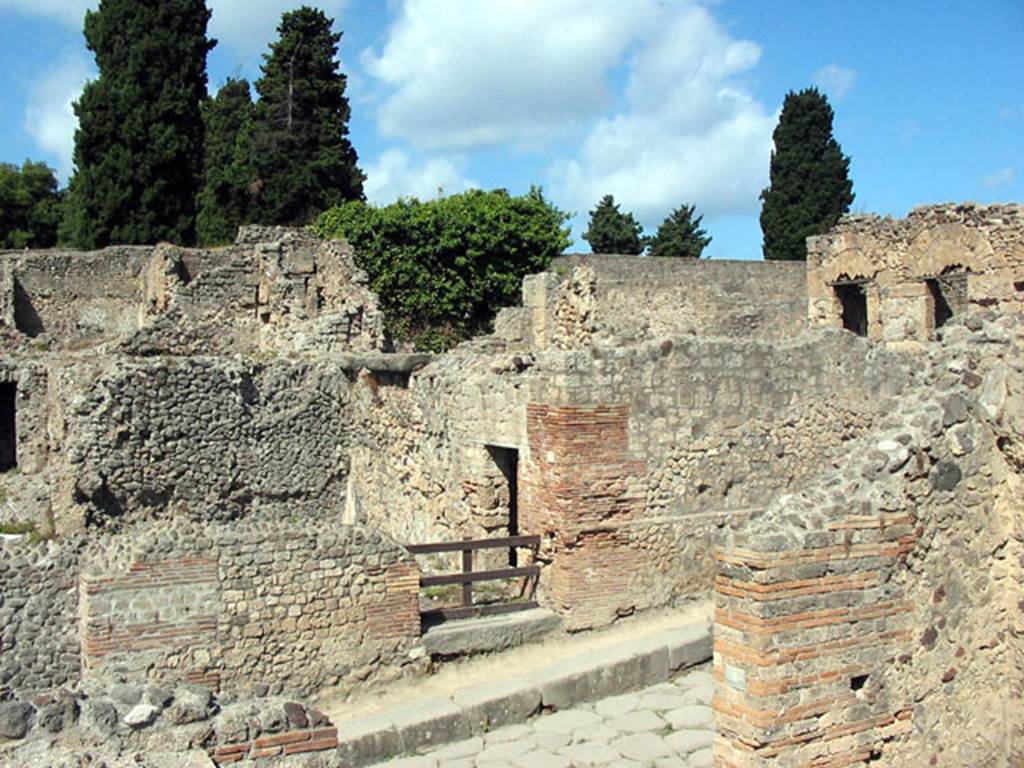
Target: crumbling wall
[
  {"x": 979, "y": 247},
  {"x": 201, "y": 439},
  {"x": 38, "y": 615},
  {"x": 75, "y": 299},
  {"x": 633, "y": 299},
  {"x": 299, "y": 605},
  {"x": 875, "y": 616},
  {"x": 630, "y": 458}
]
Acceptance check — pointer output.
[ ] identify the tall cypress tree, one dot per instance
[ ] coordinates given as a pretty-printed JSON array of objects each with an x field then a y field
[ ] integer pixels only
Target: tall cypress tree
[
  {"x": 304, "y": 160},
  {"x": 612, "y": 231},
  {"x": 680, "y": 235},
  {"x": 139, "y": 144},
  {"x": 810, "y": 186},
  {"x": 229, "y": 174}
]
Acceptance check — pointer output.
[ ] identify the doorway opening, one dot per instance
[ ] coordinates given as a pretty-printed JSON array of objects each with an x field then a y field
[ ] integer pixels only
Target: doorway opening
[
  {"x": 8, "y": 426},
  {"x": 942, "y": 313},
  {"x": 507, "y": 461},
  {"x": 854, "y": 302}
]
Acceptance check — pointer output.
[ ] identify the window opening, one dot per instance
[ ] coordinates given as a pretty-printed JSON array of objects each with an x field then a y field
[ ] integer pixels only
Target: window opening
[
  {"x": 854, "y": 302},
  {"x": 8, "y": 427}
]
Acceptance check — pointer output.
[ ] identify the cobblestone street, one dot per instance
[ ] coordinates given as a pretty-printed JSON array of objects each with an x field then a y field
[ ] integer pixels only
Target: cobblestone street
[{"x": 666, "y": 726}]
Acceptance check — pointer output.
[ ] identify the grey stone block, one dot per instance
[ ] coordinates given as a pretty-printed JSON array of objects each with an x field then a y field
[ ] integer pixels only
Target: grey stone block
[
  {"x": 494, "y": 705},
  {"x": 430, "y": 721},
  {"x": 368, "y": 740},
  {"x": 492, "y": 634},
  {"x": 689, "y": 646}
]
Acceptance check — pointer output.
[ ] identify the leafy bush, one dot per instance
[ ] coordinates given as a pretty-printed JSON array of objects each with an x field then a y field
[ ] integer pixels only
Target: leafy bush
[{"x": 443, "y": 268}]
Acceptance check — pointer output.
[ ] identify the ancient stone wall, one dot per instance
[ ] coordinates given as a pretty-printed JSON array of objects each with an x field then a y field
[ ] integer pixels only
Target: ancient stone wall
[
  {"x": 38, "y": 615},
  {"x": 75, "y": 299},
  {"x": 631, "y": 299},
  {"x": 292, "y": 605},
  {"x": 875, "y": 616},
  {"x": 201, "y": 439},
  {"x": 629, "y": 458},
  {"x": 911, "y": 274}
]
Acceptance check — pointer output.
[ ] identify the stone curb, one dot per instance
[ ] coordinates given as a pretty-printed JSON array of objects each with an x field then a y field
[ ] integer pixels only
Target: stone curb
[{"x": 481, "y": 708}]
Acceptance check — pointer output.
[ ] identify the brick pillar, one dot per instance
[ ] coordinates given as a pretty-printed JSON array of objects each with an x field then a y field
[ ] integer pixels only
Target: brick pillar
[
  {"x": 581, "y": 487},
  {"x": 397, "y": 615},
  {"x": 803, "y": 629}
]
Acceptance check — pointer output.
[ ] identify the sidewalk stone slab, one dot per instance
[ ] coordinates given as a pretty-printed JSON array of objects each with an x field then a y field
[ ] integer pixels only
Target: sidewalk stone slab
[
  {"x": 691, "y": 716},
  {"x": 688, "y": 740},
  {"x": 508, "y": 733},
  {"x": 549, "y": 739},
  {"x": 641, "y": 721},
  {"x": 506, "y": 750},
  {"x": 618, "y": 705},
  {"x": 431, "y": 721},
  {"x": 467, "y": 748},
  {"x": 582, "y": 755},
  {"x": 567, "y": 721},
  {"x": 494, "y": 705},
  {"x": 704, "y": 758},
  {"x": 642, "y": 746},
  {"x": 541, "y": 758}
]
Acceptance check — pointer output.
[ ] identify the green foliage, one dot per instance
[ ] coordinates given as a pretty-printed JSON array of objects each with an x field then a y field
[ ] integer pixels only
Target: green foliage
[
  {"x": 139, "y": 144},
  {"x": 810, "y": 186},
  {"x": 444, "y": 267},
  {"x": 611, "y": 231},
  {"x": 680, "y": 235},
  {"x": 304, "y": 160},
  {"x": 229, "y": 173},
  {"x": 29, "y": 206}
]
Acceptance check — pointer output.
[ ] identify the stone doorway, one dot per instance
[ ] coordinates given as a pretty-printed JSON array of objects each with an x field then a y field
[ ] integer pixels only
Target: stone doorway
[
  {"x": 854, "y": 303},
  {"x": 8, "y": 426},
  {"x": 507, "y": 462}
]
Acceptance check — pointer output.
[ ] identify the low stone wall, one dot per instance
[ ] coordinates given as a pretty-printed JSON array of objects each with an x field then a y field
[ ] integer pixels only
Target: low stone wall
[
  {"x": 875, "y": 616},
  {"x": 638, "y": 298},
  {"x": 292, "y": 606},
  {"x": 39, "y": 648}
]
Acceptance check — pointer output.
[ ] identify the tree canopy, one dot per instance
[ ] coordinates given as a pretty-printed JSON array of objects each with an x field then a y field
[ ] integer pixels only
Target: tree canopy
[
  {"x": 303, "y": 158},
  {"x": 443, "y": 268},
  {"x": 139, "y": 144},
  {"x": 611, "y": 231},
  {"x": 810, "y": 186},
  {"x": 226, "y": 199},
  {"x": 680, "y": 235},
  {"x": 29, "y": 206}
]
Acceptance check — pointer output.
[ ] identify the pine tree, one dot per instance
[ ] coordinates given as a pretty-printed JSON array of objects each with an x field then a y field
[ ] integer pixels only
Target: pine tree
[
  {"x": 29, "y": 206},
  {"x": 229, "y": 174},
  {"x": 611, "y": 231},
  {"x": 680, "y": 235},
  {"x": 304, "y": 160},
  {"x": 810, "y": 186},
  {"x": 139, "y": 144}
]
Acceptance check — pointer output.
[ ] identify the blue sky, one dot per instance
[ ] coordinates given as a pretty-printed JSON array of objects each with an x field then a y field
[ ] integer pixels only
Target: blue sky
[{"x": 659, "y": 102}]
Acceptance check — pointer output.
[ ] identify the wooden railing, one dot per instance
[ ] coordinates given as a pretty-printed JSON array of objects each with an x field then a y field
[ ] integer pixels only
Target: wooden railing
[{"x": 467, "y": 577}]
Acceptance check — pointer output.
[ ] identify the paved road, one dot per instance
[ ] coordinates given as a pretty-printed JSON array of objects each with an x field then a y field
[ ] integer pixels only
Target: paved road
[{"x": 665, "y": 726}]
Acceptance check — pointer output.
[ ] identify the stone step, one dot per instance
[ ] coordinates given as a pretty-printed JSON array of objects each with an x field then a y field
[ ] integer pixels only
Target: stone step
[
  {"x": 482, "y": 707},
  {"x": 491, "y": 633}
]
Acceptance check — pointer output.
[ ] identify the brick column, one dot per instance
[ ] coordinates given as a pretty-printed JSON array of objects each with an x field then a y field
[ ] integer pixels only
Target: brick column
[
  {"x": 803, "y": 627},
  {"x": 581, "y": 488}
]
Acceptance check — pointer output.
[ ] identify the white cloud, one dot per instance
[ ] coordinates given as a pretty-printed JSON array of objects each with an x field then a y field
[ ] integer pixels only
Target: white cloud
[
  {"x": 835, "y": 81},
  {"x": 49, "y": 117},
  {"x": 394, "y": 175},
  {"x": 70, "y": 12},
  {"x": 464, "y": 73},
  {"x": 689, "y": 132},
  {"x": 247, "y": 27},
  {"x": 1001, "y": 178}
]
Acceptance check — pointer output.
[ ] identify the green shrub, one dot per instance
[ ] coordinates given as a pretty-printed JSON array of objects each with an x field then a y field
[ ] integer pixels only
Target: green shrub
[{"x": 443, "y": 268}]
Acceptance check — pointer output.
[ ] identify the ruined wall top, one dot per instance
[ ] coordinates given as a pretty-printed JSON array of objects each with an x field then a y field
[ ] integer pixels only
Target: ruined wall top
[{"x": 899, "y": 280}]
